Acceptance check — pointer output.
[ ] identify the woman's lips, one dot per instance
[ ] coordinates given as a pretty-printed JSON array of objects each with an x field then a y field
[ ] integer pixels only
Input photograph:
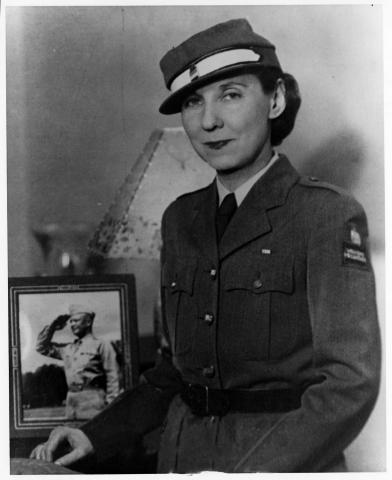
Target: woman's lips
[{"x": 217, "y": 145}]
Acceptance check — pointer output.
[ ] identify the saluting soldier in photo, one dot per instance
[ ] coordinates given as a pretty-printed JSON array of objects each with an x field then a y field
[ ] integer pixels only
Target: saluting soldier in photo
[
  {"x": 271, "y": 360},
  {"x": 90, "y": 363}
]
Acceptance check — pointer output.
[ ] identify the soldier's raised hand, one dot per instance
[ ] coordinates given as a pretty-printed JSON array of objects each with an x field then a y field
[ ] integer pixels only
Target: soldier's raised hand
[{"x": 60, "y": 322}]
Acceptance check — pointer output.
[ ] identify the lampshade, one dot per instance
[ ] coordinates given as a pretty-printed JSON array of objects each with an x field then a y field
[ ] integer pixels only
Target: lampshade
[{"x": 167, "y": 167}]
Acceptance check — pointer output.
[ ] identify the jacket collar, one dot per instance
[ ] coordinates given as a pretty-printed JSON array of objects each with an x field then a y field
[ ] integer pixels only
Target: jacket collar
[
  {"x": 251, "y": 219},
  {"x": 203, "y": 225}
]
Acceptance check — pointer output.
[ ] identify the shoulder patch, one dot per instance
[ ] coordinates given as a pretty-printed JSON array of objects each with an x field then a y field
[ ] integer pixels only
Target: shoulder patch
[{"x": 354, "y": 246}]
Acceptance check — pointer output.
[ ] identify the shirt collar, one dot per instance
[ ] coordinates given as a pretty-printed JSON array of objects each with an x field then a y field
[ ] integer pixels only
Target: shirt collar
[
  {"x": 242, "y": 191},
  {"x": 83, "y": 339}
]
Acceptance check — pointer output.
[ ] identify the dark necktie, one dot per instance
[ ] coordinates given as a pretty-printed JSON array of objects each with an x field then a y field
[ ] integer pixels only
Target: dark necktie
[{"x": 225, "y": 212}]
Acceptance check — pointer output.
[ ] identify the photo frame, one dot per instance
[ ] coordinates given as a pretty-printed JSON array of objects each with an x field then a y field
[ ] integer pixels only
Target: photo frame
[{"x": 40, "y": 384}]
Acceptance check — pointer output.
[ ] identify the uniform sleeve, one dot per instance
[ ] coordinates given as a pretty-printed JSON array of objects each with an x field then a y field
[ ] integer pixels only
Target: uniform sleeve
[
  {"x": 346, "y": 348},
  {"x": 137, "y": 411},
  {"x": 110, "y": 366},
  {"x": 45, "y": 346}
]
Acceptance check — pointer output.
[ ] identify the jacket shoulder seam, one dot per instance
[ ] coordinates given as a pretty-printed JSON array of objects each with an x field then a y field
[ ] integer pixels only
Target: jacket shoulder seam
[{"x": 314, "y": 182}]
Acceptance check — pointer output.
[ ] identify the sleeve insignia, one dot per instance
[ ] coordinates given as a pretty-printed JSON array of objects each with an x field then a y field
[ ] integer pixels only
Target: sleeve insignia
[
  {"x": 354, "y": 248},
  {"x": 355, "y": 236}
]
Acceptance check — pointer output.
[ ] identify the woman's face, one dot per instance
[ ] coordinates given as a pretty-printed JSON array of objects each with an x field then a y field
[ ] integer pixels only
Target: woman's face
[{"x": 228, "y": 124}]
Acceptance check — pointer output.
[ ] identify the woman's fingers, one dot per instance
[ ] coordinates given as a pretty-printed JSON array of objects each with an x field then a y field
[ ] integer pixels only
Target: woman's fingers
[
  {"x": 45, "y": 451},
  {"x": 81, "y": 447},
  {"x": 76, "y": 439},
  {"x": 37, "y": 452}
]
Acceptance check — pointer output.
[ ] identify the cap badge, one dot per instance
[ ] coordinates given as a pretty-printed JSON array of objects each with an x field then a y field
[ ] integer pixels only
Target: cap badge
[
  {"x": 214, "y": 62},
  {"x": 193, "y": 73}
]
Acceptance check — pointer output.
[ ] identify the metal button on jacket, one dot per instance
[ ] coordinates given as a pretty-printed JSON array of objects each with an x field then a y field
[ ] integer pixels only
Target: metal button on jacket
[
  {"x": 213, "y": 272},
  {"x": 209, "y": 318},
  {"x": 209, "y": 372},
  {"x": 257, "y": 283},
  {"x": 173, "y": 284}
]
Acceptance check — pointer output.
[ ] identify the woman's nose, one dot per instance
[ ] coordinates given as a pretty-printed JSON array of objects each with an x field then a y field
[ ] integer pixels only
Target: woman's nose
[{"x": 210, "y": 117}]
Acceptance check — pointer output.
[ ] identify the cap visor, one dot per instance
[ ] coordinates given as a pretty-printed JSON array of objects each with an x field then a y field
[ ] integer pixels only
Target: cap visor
[{"x": 173, "y": 103}]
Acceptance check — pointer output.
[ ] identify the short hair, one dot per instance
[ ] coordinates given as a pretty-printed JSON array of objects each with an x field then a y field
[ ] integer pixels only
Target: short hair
[{"x": 284, "y": 124}]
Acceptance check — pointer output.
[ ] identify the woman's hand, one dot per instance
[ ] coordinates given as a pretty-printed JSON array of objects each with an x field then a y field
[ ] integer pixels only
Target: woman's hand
[{"x": 80, "y": 445}]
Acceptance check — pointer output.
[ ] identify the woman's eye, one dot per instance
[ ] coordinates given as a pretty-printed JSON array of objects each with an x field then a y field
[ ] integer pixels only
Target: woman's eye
[
  {"x": 191, "y": 102},
  {"x": 231, "y": 95}
]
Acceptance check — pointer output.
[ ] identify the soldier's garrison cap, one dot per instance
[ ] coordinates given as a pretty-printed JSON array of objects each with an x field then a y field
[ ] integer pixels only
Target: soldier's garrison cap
[
  {"x": 76, "y": 309},
  {"x": 226, "y": 48}
]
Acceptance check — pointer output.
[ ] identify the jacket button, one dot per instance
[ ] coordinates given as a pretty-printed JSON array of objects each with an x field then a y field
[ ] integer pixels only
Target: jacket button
[
  {"x": 209, "y": 318},
  {"x": 257, "y": 283},
  {"x": 213, "y": 272},
  {"x": 173, "y": 284},
  {"x": 209, "y": 372}
]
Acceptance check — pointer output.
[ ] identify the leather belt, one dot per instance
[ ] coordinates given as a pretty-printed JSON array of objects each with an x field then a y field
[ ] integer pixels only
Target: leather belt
[{"x": 204, "y": 401}]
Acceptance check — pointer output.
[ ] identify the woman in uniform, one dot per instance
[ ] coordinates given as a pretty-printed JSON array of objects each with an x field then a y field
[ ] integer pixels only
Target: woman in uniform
[{"x": 271, "y": 353}]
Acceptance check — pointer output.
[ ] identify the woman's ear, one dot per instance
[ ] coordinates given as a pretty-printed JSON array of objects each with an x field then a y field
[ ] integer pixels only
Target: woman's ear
[{"x": 278, "y": 100}]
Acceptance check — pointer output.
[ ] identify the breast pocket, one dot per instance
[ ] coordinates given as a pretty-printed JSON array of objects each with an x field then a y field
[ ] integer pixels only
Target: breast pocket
[
  {"x": 88, "y": 354},
  {"x": 178, "y": 281},
  {"x": 258, "y": 299},
  {"x": 86, "y": 359}
]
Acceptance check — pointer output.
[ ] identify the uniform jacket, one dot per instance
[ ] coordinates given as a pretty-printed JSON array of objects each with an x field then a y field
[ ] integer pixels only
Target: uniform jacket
[
  {"x": 287, "y": 300},
  {"x": 88, "y": 362}
]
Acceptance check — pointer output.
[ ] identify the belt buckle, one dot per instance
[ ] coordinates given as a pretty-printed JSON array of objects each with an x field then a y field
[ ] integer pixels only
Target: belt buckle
[
  {"x": 203, "y": 405},
  {"x": 198, "y": 396}
]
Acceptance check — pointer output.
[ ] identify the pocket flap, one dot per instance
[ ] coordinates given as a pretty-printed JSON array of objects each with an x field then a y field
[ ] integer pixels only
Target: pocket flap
[
  {"x": 179, "y": 277},
  {"x": 270, "y": 274}
]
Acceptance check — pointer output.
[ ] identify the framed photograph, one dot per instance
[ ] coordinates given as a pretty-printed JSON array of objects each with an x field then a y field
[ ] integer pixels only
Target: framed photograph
[{"x": 73, "y": 348}]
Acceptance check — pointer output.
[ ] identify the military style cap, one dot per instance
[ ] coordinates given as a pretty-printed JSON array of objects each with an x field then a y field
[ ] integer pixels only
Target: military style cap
[
  {"x": 220, "y": 50},
  {"x": 75, "y": 309}
]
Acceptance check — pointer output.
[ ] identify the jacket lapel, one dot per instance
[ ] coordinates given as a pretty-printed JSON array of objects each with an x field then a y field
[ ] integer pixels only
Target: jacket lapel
[
  {"x": 251, "y": 219},
  {"x": 203, "y": 225}
]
